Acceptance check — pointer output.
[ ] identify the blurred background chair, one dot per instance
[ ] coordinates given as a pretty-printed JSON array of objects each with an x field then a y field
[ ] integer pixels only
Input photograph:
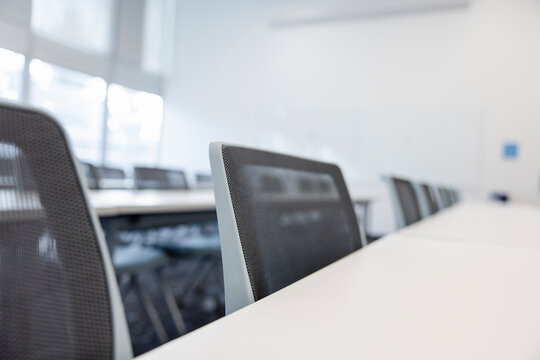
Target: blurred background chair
[
  {"x": 203, "y": 181},
  {"x": 404, "y": 201},
  {"x": 427, "y": 200},
  {"x": 280, "y": 218},
  {"x": 159, "y": 179},
  {"x": 111, "y": 178},
  {"x": 58, "y": 294},
  {"x": 91, "y": 175},
  {"x": 445, "y": 198}
]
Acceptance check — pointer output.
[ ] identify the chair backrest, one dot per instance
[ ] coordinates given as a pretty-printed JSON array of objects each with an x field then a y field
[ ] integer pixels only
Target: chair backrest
[
  {"x": 204, "y": 181},
  {"x": 58, "y": 294},
  {"x": 455, "y": 195},
  {"x": 405, "y": 201},
  {"x": 91, "y": 175},
  {"x": 159, "y": 179},
  {"x": 280, "y": 219},
  {"x": 445, "y": 197},
  {"x": 430, "y": 201},
  {"x": 110, "y": 178}
]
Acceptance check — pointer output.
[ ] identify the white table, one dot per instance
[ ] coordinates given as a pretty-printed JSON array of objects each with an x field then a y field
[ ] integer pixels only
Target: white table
[
  {"x": 399, "y": 298},
  {"x": 145, "y": 209},
  {"x": 512, "y": 224},
  {"x": 128, "y": 202},
  {"x": 409, "y": 295}
]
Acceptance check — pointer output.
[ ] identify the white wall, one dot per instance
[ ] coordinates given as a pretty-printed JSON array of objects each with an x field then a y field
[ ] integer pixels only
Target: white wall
[{"x": 349, "y": 91}]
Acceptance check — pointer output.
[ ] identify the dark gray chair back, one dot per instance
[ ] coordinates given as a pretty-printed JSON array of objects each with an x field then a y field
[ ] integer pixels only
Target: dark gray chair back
[
  {"x": 289, "y": 216},
  {"x": 91, "y": 175},
  {"x": 58, "y": 293},
  {"x": 111, "y": 178},
  {"x": 431, "y": 199},
  {"x": 204, "y": 181},
  {"x": 446, "y": 197},
  {"x": 159, "y": 179},
  {"x": 406, "y": 201}
]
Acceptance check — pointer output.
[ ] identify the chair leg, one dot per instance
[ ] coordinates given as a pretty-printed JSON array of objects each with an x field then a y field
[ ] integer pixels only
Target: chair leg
[
  {"x": 177, "y": 317},
  {"x": 151, "y": 312},
  {"x": 204, "y": 274},
  {"x": 188, "y": 282}
]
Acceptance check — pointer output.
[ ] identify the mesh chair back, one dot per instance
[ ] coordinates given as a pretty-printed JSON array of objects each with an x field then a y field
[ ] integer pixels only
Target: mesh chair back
[
  {"x": 160, "y": 179},
  {"x": 446, "y": 197},
  {"x": 110, "y": 178},
  {"x": 431, "y": 199},
  {"x": 292, "y": 217},
  {"x": 204, "y": 181},
  {"x": 105, "y": 172},
  {"x": 407, "y": 201},
  {"x": 55, "y": 289}
]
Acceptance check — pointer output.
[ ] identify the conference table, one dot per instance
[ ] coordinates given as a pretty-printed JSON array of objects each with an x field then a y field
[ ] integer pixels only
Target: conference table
[
  {"x": 117, "y": 202},
  {"x": 449, "y": 287},
  {"x": 495, "y": 222},
  {"x": 122, "y": 209}
]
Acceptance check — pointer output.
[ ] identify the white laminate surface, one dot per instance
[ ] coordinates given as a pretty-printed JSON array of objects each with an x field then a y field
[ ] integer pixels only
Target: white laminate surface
[
  {"x": 511, "y": 223},
  {"x": 122, "y": 202},
  {"x": 399, "y": 298}
]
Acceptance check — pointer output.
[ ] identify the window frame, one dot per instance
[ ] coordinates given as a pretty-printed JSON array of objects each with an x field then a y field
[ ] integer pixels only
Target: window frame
[{"x": 16, "y": 34}]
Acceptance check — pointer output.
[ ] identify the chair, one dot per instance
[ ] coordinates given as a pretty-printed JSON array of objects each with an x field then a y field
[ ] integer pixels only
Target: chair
[
  {"x": 428, "y": 200},
  {"x": 445, "y": 198},
  {"x": 58, "y": 294},
  {"x": 280, "y": 219},
  {"x": 91, "y": 175},
  {"x": 404, "y": 200},
  {"x": 159, "y": 179},
  {"x": 110, "y": 178},
  {"x": 204, "y": 181}
]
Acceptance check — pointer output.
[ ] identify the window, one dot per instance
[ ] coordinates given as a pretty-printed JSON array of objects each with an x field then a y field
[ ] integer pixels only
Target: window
[
  {"x": 133, "y": 126},
  {"x": 11, "y": 71},
  {"x": 85, "y": 25},
  {"x": 74, "y": 53},
  {"x": 155, "y": 28},
  {"x": 77, "y": 101}
]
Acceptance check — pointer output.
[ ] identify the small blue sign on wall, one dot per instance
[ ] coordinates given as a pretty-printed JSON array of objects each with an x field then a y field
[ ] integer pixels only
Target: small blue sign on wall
[{"x": 510, "y": 150}]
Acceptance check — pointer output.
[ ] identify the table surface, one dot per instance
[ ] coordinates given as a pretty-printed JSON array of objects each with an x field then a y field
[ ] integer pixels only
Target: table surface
[
  {"x": 125, "y": 202},
  {"x": 122, "y": 202},
  {"x": 512, "y": 224},
  {"x": 405, "y": 296}
]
